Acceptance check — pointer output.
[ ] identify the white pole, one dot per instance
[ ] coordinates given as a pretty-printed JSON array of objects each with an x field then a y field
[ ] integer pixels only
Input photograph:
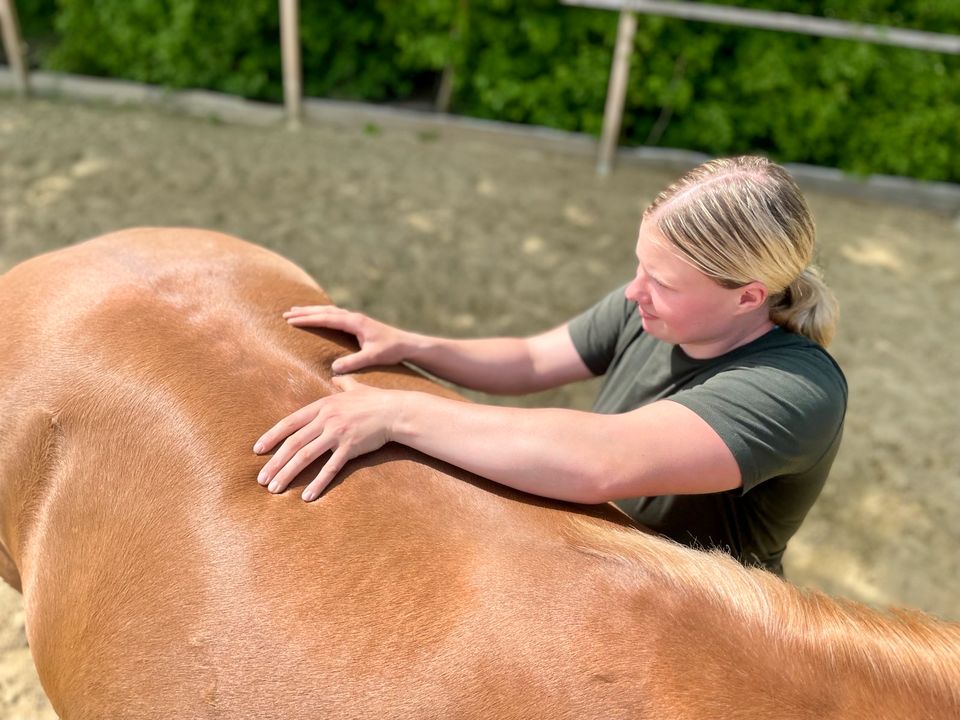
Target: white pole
[
  {"x": 290, "y": 52},
  {"x": 616, "y": 91},
  {"x": 13, "y": 46}
]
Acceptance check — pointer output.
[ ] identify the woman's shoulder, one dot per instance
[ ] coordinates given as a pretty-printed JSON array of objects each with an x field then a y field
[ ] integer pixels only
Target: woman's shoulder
[
  {"x": 792, "y": 353},
  {"x": 781, "y": 374},
  {"x": 784, "y": 397}
]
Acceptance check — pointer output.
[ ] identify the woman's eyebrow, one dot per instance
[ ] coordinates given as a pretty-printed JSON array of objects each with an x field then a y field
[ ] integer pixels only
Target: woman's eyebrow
[
  {"x": 659, "y": 279},
  {"x": 654, "y": 274}
]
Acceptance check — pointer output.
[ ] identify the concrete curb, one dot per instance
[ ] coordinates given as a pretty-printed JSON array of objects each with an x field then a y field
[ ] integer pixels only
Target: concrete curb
[
  {"x": 197, "y": 103},
  {"x": 940, "y": 197}
]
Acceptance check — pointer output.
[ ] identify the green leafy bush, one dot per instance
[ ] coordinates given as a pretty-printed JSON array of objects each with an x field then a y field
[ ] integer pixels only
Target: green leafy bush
[
  {"x": 36, "y": 16},
  {"x": 228, "y": 46},
  {"x": 715, "y": 88}
]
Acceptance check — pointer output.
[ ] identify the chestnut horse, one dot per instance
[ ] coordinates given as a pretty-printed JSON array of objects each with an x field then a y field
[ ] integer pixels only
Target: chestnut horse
[{"x": 161, "y": 581}]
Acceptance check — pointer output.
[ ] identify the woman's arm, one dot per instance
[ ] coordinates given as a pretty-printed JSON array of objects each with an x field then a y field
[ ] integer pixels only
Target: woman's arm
[
  {"x": 504, "y": 366},
  {"x": 662, "y": 448},
  {"x": 509, "y": 366}
]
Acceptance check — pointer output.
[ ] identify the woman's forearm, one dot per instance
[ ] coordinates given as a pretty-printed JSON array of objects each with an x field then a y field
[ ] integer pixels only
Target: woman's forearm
[
  {"x": 548, "y": 452},
  {"x": 507, "y": 366},
  {"x": 500, "y": 366}
]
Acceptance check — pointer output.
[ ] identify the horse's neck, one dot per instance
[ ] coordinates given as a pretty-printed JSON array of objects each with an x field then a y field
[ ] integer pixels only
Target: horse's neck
[
  {"x": 731, "y": 638},
  {"x": 720, "y": 637},
  {"x": 870, "y": 664}
]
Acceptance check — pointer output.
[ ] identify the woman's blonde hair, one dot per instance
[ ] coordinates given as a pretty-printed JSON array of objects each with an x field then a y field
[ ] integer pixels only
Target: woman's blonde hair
[{"x": 743, "y": 219}]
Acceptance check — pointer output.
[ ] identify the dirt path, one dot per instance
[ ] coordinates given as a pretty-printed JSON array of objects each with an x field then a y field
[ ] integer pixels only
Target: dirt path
[{"x": 448, "y": 232}]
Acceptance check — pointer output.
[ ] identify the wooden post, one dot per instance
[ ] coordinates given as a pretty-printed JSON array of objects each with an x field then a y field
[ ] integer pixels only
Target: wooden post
[
  {"x": 13, "y": 46},
  {"x": 290, "y": 52},
  {"x": 616, "y": 91},
  {"x": 458, "y": 32}
]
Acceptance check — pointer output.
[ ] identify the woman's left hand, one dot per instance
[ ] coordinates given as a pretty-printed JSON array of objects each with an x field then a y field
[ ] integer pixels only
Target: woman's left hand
[{"x": 349, "y": 423}]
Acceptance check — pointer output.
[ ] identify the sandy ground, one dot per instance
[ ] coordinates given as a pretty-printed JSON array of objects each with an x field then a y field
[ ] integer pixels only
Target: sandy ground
[{"x": 450, "y": 232}]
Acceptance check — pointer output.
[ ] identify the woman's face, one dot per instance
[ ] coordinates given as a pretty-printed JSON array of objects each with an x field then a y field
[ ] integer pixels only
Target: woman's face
[{"x": 678, "y": 303}]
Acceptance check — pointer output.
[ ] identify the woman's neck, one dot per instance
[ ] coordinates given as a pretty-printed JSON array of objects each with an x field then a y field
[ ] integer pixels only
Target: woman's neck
[{"x": 739, "y": 336}]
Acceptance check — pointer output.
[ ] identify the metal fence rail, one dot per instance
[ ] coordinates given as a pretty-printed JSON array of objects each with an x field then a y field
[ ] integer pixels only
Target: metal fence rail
[{"x": 743, "y": 17}]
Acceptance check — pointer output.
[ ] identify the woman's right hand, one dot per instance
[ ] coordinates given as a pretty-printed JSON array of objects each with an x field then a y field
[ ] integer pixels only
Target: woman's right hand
[{"x": 380, "y": 344}]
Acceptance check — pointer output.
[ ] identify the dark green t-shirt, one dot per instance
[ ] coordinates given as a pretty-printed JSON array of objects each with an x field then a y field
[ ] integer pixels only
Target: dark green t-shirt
[{"x": 778, "y": 403}]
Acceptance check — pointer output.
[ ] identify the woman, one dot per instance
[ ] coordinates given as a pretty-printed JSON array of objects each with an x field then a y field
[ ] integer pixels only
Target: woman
[{"x": 721, "y": 412}]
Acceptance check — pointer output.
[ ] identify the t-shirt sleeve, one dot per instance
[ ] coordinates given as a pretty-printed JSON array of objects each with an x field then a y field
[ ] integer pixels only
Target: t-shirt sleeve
[
  {"x": 595, "y": 331},
  {"x": 778, "y": 417}
]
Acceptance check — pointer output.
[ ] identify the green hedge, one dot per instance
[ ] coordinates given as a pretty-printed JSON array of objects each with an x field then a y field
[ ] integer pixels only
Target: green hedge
[{"x": 718, "y": 89}]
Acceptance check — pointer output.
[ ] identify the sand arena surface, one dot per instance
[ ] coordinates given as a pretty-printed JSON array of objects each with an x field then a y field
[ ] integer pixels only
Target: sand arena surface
[{"x": 450, "y": 232}]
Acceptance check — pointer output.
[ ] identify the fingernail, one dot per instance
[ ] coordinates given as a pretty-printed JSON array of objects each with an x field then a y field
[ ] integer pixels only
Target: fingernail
[
  {"x": 258, "y": 448},
  {"x": 308, "y": 496},
  {"x": 272, "y": 487},
  {"x": 336, "y": 365},
  {"x": 262, "y": 477}
]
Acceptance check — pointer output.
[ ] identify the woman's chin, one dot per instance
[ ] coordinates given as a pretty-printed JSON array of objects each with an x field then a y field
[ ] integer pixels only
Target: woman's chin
[{"x": 650, "y": 323}]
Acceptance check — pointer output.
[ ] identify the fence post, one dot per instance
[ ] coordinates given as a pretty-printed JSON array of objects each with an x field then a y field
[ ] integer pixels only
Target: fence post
[
  {"x": 616, "y": 91},
  {"x": 13, "y": 46},
  {"x": 290, "y": 53},
  {"x": 458, "y": 31}
]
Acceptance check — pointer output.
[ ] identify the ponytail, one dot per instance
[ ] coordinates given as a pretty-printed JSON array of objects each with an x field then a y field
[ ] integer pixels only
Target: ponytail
[{"x": 807, "y": 307}]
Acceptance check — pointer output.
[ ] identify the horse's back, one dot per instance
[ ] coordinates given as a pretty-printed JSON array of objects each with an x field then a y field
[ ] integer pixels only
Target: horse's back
[{"x": 160, "y": 579}]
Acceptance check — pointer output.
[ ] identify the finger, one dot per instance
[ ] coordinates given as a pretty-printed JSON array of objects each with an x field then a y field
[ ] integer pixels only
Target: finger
[
  {"x": 318, "y": 307},
  {"x": 336, "y": 321},
  {"x": 290, "y": 424},
  {"x": 345, "y": 382},
  {"x": 313, "y": 309},
  {"x": 330, "y": 469},
  {"x": 354, "y": 361},
  {"x": 298, "y": 461},
  {"x": 290, "y": 447}
]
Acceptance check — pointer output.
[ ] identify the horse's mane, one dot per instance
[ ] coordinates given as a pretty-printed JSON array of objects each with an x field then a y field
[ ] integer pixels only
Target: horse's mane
[{"x": 894, "y": 645}]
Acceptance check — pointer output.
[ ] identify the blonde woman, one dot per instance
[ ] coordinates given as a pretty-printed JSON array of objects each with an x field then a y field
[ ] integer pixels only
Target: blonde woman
[{"x": 721, "y": 411}]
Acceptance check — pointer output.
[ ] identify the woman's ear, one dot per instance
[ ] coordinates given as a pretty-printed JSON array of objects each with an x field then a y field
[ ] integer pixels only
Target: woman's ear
[{"x": 752, "y": 296}]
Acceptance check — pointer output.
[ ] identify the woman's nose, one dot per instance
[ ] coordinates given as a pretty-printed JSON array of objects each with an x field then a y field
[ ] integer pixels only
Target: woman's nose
[{"x": 635, "y": 289}]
